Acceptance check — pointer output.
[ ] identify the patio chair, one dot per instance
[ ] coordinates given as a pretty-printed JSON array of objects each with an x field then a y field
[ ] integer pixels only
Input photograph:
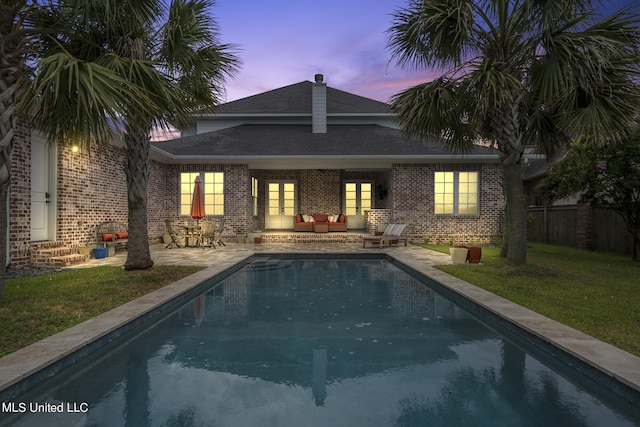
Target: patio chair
[
  {"x": 392, "y": 234},
  {"x": 173, "y": 234},
  {"x": 208, "y": 233},
  {"x": 217, "y": 238}
]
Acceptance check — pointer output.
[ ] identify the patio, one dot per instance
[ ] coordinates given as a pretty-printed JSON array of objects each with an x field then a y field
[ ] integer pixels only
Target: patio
[{"x": 209, "y": 257}]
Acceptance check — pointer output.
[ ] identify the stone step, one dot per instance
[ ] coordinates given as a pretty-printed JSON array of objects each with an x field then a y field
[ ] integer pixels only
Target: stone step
[
  {"x": 66, "y": 260},
  {"x": 55, "y": 254}
]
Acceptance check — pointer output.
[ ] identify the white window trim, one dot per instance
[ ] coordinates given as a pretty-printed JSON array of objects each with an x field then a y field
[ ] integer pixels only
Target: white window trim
[{"x": 456, "y": 194}]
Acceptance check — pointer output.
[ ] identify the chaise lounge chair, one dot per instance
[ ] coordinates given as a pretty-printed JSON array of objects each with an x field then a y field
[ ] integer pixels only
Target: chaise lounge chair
[{"x": 392, "y": 234}]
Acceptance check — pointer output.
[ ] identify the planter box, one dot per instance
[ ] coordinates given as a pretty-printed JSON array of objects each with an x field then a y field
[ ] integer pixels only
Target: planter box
[
  {"x": 458, "y": 255},
  {"x": 99, "y": 253}
]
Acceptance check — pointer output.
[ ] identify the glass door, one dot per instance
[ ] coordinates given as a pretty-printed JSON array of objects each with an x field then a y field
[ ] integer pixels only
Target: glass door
[
  {"x": 358, "y": 198},
  {"x": 281, "y": 205}
]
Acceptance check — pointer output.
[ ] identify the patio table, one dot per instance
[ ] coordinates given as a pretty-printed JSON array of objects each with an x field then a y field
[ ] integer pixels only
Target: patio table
[{"x": 193, "y": 232}]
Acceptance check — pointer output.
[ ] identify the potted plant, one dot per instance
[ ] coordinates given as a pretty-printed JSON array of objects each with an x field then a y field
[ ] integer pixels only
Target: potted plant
[
  {"x": 458, "y": 255},
  {"x": 475, "y": 253},
  {"x": 255, "y": 236}
]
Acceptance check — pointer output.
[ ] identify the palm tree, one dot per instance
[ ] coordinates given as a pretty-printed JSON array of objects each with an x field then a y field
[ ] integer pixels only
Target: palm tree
[
  {"x": 519, "y": 74},
  {"x": 170, "y": 54},
  {"x": 104, "y": 94},
  {"x": 12, "y": 70}
]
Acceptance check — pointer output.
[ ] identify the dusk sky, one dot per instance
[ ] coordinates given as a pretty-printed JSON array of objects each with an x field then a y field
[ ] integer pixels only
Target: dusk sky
[{"x": 283, "y": 42}]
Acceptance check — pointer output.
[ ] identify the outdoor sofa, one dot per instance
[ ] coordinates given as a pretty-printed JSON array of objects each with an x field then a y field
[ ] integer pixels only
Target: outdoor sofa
[{"x": 305, "y": 222}]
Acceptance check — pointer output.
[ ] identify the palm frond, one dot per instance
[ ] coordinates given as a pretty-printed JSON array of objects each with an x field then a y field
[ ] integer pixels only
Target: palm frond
[
  {"x": 78, "y": 100},
  {"x": 433, "y": 33},
  {"x": 439, "y": 108}
]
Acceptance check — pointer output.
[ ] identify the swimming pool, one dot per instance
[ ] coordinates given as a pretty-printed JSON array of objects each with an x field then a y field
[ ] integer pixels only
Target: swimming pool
[{"x": 309, "y": 341}]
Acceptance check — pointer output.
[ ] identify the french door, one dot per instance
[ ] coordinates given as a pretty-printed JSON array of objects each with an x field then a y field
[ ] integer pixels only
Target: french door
[
  {"x": 281, "y": 204},
  {"x": 358, "y": 198}
]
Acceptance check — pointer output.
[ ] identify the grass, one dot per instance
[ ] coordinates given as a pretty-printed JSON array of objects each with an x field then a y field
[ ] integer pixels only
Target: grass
[
  {"x": 34, "y": 308},
  {"x": 594, "y": 292}
]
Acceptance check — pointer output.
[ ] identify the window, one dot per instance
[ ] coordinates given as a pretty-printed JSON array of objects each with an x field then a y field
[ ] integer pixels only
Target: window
[
  {"x": 212, "y": 186},
  {"x": 456, "y": 193},
  {"x": 254, "y": 195}
]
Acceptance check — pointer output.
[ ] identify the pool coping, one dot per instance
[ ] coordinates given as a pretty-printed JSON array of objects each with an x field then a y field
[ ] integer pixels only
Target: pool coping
[{"x": 32, "y": 361}]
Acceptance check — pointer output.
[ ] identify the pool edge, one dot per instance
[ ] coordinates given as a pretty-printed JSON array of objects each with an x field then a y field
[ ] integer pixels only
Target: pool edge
[
  {"x": 36, "y": 362},
  {"x": 616, "y": 365},
  {"x": 33, "y": 361}
]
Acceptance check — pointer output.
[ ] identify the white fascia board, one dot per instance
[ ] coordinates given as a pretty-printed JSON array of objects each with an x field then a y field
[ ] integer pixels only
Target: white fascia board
[{"x": 319, "y": 162}]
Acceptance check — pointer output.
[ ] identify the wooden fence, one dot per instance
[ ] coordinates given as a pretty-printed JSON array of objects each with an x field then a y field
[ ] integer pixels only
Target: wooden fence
[{"x": 605, "y": 230}]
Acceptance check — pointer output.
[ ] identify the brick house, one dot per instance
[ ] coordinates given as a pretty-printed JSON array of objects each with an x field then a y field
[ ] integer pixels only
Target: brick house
[{"x": 303, "y": 148}]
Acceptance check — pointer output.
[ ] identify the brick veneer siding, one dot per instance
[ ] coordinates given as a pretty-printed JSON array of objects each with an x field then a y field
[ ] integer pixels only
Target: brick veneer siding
[
  {"x": 237, "y": 196},
  {"x": 20, "y": 198},
  {"x": 412, "y": 187},
  {"x": 376, "y": 218},
  {"x": 92, "y": 188}
]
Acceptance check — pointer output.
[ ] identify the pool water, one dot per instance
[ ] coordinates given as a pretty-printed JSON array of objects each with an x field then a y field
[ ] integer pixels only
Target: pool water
[{"x": 329, "y": 342}]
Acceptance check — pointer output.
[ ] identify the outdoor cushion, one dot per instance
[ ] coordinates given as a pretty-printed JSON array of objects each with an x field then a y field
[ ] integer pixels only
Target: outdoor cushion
[
  {"x": 321, "y": 217},
  {"x": 107, "y": 237},
  {"x": 122, "y": 235}
]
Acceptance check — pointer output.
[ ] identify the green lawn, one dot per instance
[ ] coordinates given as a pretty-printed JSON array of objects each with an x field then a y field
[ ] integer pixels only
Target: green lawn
[
  {"x": 594, "y": 292},
  {"x": 34, "y": 308}
]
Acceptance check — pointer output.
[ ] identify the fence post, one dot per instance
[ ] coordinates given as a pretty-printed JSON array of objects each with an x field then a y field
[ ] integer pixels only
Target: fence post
[
  {"x": 545, "y": 222},
  {"x": 584, "y": 223}
]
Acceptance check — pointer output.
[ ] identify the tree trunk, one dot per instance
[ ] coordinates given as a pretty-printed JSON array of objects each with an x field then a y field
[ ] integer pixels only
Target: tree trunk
[
  {"x": 4, "y": 195},
  {"x": 12, "y": 79},
  {"x": 516, "y": 215},
  {"x": 137, "y": 170},
  {"x": 508, "y": 135}
]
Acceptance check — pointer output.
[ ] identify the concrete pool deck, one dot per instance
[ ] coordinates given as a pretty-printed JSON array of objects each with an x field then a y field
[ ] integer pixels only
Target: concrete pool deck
[{"x": 604, "y": 358}]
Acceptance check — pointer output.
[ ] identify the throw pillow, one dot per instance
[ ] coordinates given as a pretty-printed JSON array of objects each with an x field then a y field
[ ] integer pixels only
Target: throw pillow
[
  {"x": 330, "y": 218},
  {"x": 321, "y": 217}
]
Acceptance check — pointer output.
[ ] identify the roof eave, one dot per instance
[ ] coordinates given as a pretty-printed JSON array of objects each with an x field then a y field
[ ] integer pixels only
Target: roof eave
[{"x": 320, "y": 161}]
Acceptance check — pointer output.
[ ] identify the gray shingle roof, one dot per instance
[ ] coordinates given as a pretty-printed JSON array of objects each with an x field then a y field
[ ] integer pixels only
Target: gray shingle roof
[
  {"x": 298, "y": 140},
  {"x": 296, "y": 99}
]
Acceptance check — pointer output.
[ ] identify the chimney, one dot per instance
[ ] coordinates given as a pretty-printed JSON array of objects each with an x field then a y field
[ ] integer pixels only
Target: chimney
[{"x": 319, "y": 105}]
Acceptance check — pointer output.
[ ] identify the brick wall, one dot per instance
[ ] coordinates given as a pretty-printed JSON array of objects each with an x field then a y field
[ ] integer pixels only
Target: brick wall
[
  {"x": 412, "y": 204},
  {"x": 92, "y": 188},
  {"x": 237, "y": 196},
  {"x": 20, "y": 198}
]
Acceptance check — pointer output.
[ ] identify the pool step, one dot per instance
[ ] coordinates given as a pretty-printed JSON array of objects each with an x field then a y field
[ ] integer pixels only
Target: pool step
[{"x": 262, "y": 264}]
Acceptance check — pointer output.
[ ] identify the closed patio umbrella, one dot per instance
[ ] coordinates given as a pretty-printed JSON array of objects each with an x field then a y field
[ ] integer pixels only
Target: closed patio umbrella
[
  {"x": 197, "y": 202},
  {"x": 197, "y": 208},
  {"x": 198, "y": 309}
]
